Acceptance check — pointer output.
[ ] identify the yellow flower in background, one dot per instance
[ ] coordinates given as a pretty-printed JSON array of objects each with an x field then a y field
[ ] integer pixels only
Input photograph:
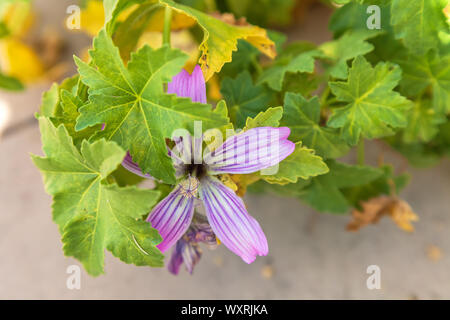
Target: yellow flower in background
[
  {"x": 92, "y": 17},
  {"x": 182, "y": 40},
  {"x": 18, "y": 59},
  {"x": 17, "y": 17},
  {"x": 179, "y": 21}
]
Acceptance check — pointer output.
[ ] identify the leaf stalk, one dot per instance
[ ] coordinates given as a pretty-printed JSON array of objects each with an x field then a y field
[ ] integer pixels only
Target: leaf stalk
[{"x": 167, "y": 26}]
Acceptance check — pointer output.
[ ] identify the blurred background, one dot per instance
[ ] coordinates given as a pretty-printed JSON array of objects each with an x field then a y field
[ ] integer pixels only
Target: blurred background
[{"x": 312, "y": 256}]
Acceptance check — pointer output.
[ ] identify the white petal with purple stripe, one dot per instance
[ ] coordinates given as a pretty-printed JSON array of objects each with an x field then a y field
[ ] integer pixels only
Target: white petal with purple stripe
[
  {"x": 172, "y": 217},
  {"x": 250, "y": 151},
  {"x": 230, "y": 221},
  {"x": 132, "y": 166}
]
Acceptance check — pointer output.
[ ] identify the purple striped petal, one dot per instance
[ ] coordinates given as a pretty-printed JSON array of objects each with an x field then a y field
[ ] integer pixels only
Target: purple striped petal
[
  {"x": 132, "y": 166},
  {"x": 251, "y": 151},
  {"x": 191, "y": 256},
  {"x": 187, "y": 149},
  {"x": 177, "y": 154},
  {"x": 176, "y": 259},
  {"x": 187, "y": 249},
  {"x": 230, "y": 221},
  {"x": 187, "y": 252},
  {"x": 189, "y": 85},
  {"x": 172, "y": 217}
]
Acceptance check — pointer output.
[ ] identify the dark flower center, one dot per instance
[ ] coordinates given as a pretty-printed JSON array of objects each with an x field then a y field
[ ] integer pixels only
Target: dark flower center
[{"x": 196, "y": 170}]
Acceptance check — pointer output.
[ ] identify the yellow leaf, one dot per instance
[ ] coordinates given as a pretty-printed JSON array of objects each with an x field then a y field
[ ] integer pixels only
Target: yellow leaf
[
  {"x": 20, "y": 61},
  {"x": 220, "y": 37}
]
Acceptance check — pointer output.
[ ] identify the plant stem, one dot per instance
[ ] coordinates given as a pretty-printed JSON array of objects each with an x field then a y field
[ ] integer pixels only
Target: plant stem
[
  {"x": 167, "y": 26},
  {"x": 257, "y": 66},
  {"x": 361, "y": 152},
  {"x": 324, "y": 96}
]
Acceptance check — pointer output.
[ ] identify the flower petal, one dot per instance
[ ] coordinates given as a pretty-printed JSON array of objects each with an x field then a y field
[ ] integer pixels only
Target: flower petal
[
  {"x": 251, "y": 151},
  {"x": 176, "y": 259},
  {"x": 191, "y": 256},
  {"x": 187, "y": 252},
  {"x": 172, "y": 217},
  {"x": 230, "y": 221},
  {"x": 132, "y": 166},
  {"x": 189, "y": 85}
]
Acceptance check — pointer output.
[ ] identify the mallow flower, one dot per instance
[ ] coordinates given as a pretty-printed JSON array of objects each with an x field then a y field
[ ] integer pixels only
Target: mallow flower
[{"x": 198, "y": 173}]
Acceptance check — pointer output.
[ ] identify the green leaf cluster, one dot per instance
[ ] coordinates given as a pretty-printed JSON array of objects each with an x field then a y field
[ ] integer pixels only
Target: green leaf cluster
[{"x": 390, "y": 84}]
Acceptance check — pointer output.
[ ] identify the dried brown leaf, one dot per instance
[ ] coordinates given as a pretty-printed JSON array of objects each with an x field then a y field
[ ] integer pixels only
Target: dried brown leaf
[{"x": 374, "y": 209}]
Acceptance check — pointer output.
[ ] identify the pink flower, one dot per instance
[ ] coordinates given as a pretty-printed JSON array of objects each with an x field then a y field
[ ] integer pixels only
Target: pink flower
[{"x": 247, "y": 152}]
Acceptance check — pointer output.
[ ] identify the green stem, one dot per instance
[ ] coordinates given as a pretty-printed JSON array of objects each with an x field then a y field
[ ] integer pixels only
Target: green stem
[
  {"x": 167, "y": 26},
  {"x": 324, "y": 96},
  {"x": 333, "y": 101},
  {"x": 361, "y": 152},
  {"x": 257, "y": 66}
]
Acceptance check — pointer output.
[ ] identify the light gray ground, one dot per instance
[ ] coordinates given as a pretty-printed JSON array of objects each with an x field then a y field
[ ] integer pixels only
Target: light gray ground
[{"x": 311, "y": 255}]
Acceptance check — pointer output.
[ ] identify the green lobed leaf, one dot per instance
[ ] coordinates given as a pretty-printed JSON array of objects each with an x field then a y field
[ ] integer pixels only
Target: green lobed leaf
[
  {"x": 132, "y": 103},
  {"x": 298, "y": 57},
  {"x": 431, "y": 70},
  {"x": 244, "y": 99},
  {"x": 418, "y": 23},
  {"x": 243, "y": 58},
  {"x": 50, "y": 101},
  {"x": 302, "y": 163},
  {"x": 70, "y": 106},
  {"x": 124, "y": 177},
  {"x": 388, "y": 184},
  {"x": 269, "y": 118},
  {"x": 423, "y": 122},
  {"x": 353, "y": 16},
  {"x": 303, "y": 83},
  {"x": 90, "y": 214},
  {"x": 51, "y": 105},
  {"x": 421, "y": 154},
  {"x": 324, "y": 193},
  {"x": 127, "y": 34},
  {"x": 373, "y": 109},
  {"x": 303, "y": 118},
  {"x": 350, "y": 45}
]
